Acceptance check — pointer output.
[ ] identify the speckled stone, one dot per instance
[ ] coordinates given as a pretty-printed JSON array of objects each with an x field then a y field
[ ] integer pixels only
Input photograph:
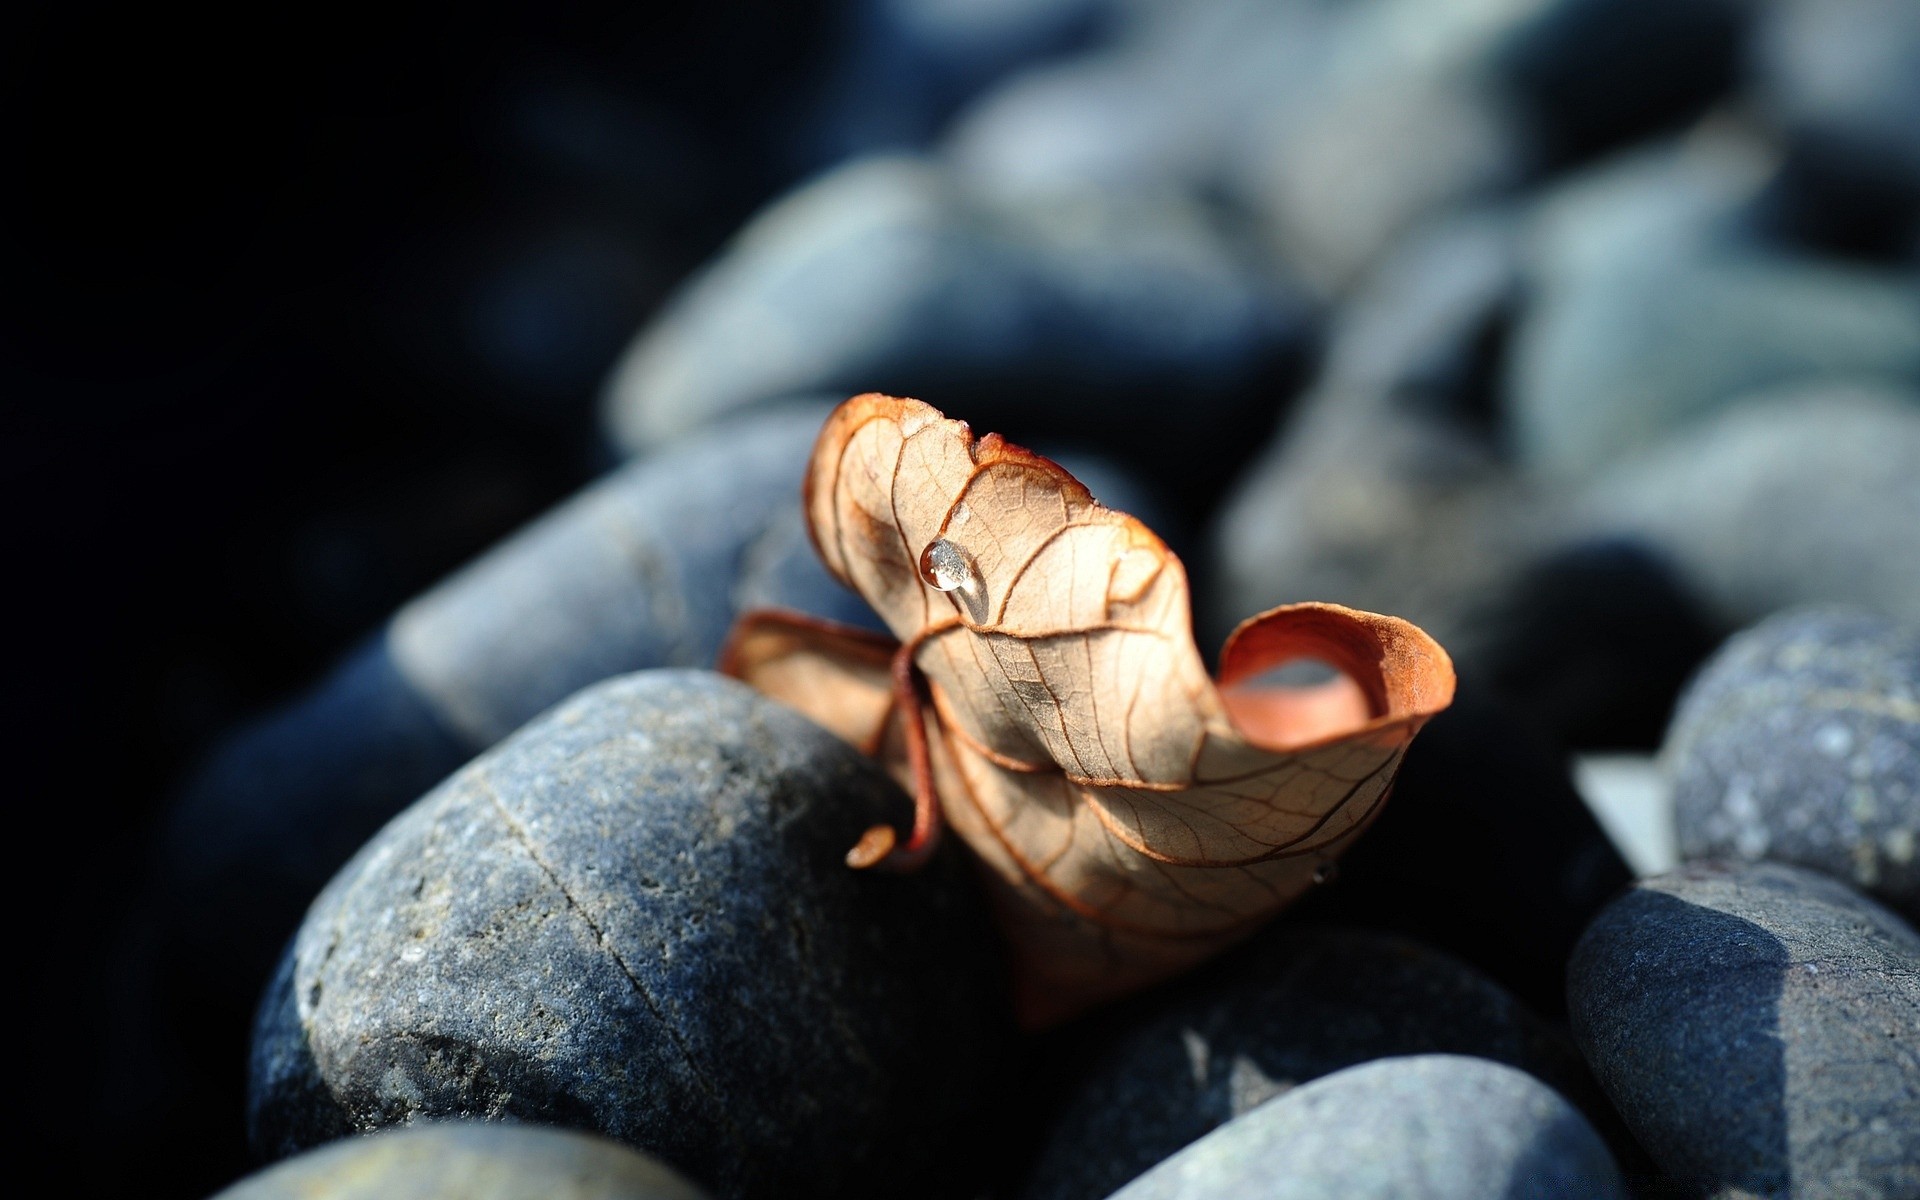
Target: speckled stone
[
  {"x": 1756, "y": 1027},
  {"x": 1294, "y": 1005},
  {"x": 1429, "y": 1127},
  {"x": 1800, "y": 743},
  {"x": 634, "y": 917},
  {"x": 460, "y": 1160}
]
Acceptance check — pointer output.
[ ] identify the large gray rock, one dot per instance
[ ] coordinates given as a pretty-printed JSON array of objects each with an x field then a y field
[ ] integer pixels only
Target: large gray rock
[
  {"x": 1430, "y": 1127},
  {"x": 1654, "y": 306},
  {"x": 1297, "y": 1004},
  {"x": 634, "y": 917},
  {"x": 1804, "y": 496},
  {"x": 1109, "y": 321},
  {"x": 1755, "y": 1026},
  {"x": 459, "y": 1160},
  {"x": 1800, "y": 743}
]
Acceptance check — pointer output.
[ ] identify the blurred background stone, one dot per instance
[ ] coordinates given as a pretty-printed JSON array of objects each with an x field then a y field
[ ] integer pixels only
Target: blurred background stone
[
  {"x": 1800, "y": 743},
  {"x": 1753, "y": 1024},
  {"x": 1434, "y": 1126},
  {"x": 1296, "y": 1004},
  {"x": 1129, "y": 326},
  {"x": 467, "y": 1161},
  {"x": 1808, "y": 495},
  {"x": 634, "y": 916}
]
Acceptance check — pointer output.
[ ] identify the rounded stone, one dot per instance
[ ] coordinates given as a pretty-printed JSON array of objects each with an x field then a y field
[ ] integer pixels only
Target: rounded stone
[
  {"x": 461, "y": 1160},
  {"x": 634, "y": 917},
  {"x": 1118, "y": 323},
  {"x": 1428, "y": 1127},
  {"x": 1808, "y": 495},
  {"x": 1655, "y": 306},
  {"x": 1755, "y": 1025},
  {"x": 1800, "y": 743},
  {"x": 1296, "y": 1004}
]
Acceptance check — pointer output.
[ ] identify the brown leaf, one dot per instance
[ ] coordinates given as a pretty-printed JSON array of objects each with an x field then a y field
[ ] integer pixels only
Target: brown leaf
[{"x": 1133, "y": 815}]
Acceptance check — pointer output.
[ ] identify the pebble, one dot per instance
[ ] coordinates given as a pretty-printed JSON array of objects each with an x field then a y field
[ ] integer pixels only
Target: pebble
[
  {"x": 1117, "y": 323},
  {"x": 634, "y": 917},
  {"x": 1655, "y": 306},
  {"x": 1755, "y": 1026},
  {"x": 1800, "y": 743},
  {"x": 1808, "y": 495},
  {"x": 1296, "y": 1004},
  {"x": 465, "y": 1160},
  {"x": 1426, "y": 1127}
]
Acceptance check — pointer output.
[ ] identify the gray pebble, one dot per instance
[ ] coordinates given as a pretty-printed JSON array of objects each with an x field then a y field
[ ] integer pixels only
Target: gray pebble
[
  {"x": 634, "y": 917},
  {"x": 1803, "y": 496},
  {"x": 1429, "y": 1127},
  {"x": 1758, "y": 1027},
  {"x": 1116, "y": 323},
  {"x": 1296, "y": 1004},
  {"x": 1654, "y": 307},
  {"x": 458, "y": 1160},
  {"x": 1800, "y": 743}
]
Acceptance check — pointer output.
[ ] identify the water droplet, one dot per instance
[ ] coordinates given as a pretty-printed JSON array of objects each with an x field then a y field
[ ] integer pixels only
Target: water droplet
[
  {"x": 961, "y": 515},
  {"x": 1326, "y": 872},
  {"x": 948, "y": 567}
]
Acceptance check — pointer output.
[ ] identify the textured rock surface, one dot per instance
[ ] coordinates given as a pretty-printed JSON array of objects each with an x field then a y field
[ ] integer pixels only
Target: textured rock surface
[
  {"x": 467, "y": 1161},
  {"x": 1755, "y": 1027},
  {"x": 1805, "y": 496},
  {"x": 1294, "y": 1005},
  {"x": 1800, "y": 743},
  {"x": 1655, "y": 305},
  {"x": 1125, "y": 325},
  {"x": 1430, "y": 1127},
  {"x": 634, "y": 917}
]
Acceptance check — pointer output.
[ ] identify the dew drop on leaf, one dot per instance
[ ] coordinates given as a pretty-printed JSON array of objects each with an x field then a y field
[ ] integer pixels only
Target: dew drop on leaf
[{"x": 947, "y": 567}]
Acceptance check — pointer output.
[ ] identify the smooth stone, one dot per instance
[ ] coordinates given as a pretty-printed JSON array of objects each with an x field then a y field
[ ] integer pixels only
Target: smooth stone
[
  {"x": 1655, "y": 306},
  {"x": 1841, "y": 80},
  {"x": 460, "y": 1160},
  {"x": 1427, "y": 1127},
  {"x": 1163, "y": 105},
  {"x": 634, "y": 917},
  {"x": 1297, "y": 1004},
  {"x": 645, "y": 568},
  {"x": 1800, "y": 743},
  {"x": 1804, "y": 496},
  {"x": 1755, "y": 1025},
  {"x": 1124, "y": 325},
  {"x": 1401, "y": 122},
  {"x": 1386, "y": 490}
]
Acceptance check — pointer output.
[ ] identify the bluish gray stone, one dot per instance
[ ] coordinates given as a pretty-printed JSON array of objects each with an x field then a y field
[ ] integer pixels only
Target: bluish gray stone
[
  {"x": 1295, "y": 1005},
  {"x": 462, "y": 1160},
  {"x": 1841, "y": 80},
  {"x": 1386, "y": 490},
  {"x": 1755, "y": 1025},
  {"x": 1428, "y": 1127},
  {"x": 1800, "y": 743},
  {"x": 1127, "y": 326},
  {"x": 1808, "y": 495},
  {"x": 645, "y": 568},
  {"x": 1655, "y": 306},
  {"x": 634, "y": 917}
]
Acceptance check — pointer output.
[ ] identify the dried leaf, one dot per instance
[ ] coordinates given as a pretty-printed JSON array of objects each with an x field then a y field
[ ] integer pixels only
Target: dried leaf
[{"x": 1133, "y": 815}]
